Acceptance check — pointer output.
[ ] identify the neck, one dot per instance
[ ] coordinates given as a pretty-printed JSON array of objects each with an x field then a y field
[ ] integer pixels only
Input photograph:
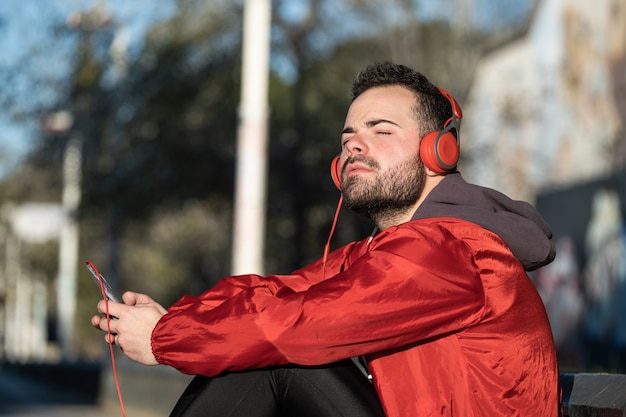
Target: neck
[{"x": 397, "y": 217}]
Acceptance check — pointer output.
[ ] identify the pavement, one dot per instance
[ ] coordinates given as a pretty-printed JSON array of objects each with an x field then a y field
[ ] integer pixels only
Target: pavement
[
  {"x": 58, "y": 411},
  {"x": 21, "y": 396},
  {"x": 86, "y": 391}
]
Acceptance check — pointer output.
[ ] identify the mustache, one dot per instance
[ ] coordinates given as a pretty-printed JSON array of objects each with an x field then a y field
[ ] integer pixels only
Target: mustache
[{"x": 362, "y": 159}]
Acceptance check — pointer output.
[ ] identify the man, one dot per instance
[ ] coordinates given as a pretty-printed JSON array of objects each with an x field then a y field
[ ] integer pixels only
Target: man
[{"x": 437, "y": 302}]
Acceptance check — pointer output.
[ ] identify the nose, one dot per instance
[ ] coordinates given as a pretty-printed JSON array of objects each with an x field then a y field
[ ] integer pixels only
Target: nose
[{"x": 356, "y": 145}]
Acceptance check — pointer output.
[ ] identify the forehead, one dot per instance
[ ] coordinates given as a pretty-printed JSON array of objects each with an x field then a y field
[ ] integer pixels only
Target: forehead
[{"x": 387, "y": 101}]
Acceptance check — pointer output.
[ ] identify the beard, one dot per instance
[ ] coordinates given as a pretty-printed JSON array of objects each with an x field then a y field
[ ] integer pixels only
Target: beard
[{"x": 387, "y": 194}]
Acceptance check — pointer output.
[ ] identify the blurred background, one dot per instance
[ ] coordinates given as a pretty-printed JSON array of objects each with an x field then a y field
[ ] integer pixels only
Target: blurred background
[{"x": 122, "y": 125}]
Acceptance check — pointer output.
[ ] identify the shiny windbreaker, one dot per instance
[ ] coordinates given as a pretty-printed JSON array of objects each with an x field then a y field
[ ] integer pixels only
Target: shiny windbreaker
[{"x": 443, "y": 311}]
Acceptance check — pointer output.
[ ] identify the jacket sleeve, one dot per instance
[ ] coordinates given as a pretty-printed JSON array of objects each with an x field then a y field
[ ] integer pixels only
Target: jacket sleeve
[
  {"x": 407, "y": 287},
  {"x": 299, "y": 280}
]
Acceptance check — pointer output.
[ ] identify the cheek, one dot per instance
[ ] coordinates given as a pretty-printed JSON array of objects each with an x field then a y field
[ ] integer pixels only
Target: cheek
[
  {"x": 339, "y": 167},
  {"x": 391, "y": 160}
]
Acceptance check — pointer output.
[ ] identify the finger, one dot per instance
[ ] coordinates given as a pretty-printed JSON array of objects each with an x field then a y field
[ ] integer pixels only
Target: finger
[
  {"x": 116, "y": 341},
  {"x": 104, "y": 324},
  {"x": 114, "y": 309},
  {"x": 134, "y": 298},
  {"x": 102, "y": 306},
  {"x": 130, "y": 298}
]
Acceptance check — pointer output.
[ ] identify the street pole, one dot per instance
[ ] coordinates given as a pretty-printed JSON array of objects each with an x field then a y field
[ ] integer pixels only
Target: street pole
[
  {"x": 68, "y": 251},
  {"x": 251, "y": 171}
]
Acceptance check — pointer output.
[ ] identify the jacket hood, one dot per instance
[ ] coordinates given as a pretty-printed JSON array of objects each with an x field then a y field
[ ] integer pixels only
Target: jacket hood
[{"x": 517, "y": 223}]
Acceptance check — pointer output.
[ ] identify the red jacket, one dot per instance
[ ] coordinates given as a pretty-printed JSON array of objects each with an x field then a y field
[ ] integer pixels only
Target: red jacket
[{"x": 444, "y": 312}]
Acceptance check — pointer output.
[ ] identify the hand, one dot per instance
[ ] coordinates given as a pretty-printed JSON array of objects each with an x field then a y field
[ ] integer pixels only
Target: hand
[{"x": 132, "y": 328}]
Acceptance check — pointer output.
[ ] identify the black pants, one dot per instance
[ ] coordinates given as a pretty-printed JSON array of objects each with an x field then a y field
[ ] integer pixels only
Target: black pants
[{"x": 335, "y": 390}]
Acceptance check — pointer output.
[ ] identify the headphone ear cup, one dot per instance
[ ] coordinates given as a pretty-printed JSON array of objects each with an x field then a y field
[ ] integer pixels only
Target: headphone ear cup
[
  {"x": 447, "y": 151},
  {"x": 439, "y": 153},
  {"x": 335, "y": 172}
]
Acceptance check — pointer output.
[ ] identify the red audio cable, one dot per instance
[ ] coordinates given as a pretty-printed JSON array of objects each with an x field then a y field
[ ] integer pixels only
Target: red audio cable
[{"x": 110, "y": 336}]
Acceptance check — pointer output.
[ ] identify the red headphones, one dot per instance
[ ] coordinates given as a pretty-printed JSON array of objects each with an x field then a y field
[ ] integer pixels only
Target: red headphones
[
  {"x": 335, "y": 171},
  {"x": 439, "y": 150}
]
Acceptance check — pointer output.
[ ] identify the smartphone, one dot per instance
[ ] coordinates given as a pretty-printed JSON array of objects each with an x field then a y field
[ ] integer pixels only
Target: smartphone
[{"x": 98, "y": 278}]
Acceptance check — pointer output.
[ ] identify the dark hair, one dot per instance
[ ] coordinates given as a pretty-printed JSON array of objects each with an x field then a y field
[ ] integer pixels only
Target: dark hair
[{"x": 432, "y": 109}]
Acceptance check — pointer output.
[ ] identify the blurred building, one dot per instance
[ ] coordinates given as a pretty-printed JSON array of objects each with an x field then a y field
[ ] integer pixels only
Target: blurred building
[{"x": 549, "y": 109}]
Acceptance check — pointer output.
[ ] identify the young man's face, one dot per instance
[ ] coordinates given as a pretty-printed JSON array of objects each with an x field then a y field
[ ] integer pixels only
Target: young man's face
[{"x": 381, "y": 168}]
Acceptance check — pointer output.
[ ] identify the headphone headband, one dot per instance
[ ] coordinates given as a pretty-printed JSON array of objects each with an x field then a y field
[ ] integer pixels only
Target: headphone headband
[
  {"x": 456, "y": 109},
  {"x": 440, "y": 150}
]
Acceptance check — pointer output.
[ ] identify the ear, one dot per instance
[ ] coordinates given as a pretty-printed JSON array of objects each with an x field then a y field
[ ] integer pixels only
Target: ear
[{"x": 431, "y": 173}]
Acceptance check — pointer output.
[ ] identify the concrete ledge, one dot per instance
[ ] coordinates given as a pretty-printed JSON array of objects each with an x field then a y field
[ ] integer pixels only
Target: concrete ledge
[{"x": 594, "y": 395}]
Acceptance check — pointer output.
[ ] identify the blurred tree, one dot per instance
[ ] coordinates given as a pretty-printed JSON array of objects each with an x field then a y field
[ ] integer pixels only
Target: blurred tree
[
  {"x": 163, "y": 131},
  {"x": 157, "y": 131}
]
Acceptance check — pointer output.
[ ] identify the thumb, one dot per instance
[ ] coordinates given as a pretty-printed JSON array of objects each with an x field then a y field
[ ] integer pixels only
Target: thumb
[{"x": 133, "y": 298}]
